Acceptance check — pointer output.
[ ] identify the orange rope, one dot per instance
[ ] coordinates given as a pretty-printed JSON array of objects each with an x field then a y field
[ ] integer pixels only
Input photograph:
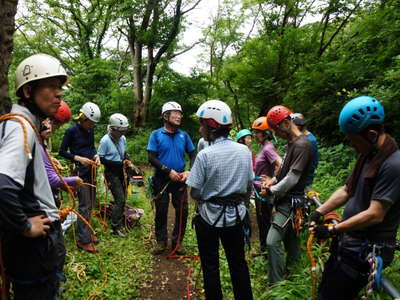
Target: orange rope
[
  {"x": 63, "y": 212},
  {"x": 14, "y": 116},
  {"x": 313, "y": 265},
  {"x": 298, "y": 220}
]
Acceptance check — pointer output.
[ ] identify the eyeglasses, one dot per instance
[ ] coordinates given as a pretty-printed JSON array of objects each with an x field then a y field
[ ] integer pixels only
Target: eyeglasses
[{"x": 176, "y": 113}]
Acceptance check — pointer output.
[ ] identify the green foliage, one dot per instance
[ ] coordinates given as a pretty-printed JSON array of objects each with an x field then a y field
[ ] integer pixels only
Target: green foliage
[
  {"x": 137, "y": 145},
  {"x": 336, "y": 163},
  {"x": 189, "y": 92}
]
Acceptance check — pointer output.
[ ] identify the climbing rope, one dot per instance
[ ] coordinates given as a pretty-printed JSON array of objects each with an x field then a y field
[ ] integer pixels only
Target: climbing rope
[
  {"x": 373, "y": 261},
  {"x": 62, "y": 212},
  {"x": 298, "y": 220},
  {"x": 313, "y": 266}
]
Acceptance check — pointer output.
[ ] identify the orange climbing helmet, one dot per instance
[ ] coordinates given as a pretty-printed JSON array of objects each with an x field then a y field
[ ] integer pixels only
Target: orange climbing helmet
[
  {"x": 277, "y": 114},
  {"x": 260, "y": 124}
]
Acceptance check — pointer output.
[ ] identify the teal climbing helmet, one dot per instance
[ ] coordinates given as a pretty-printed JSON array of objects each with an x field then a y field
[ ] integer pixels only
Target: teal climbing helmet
[
  {"x": 360, "y": 112},
  {"x": 243, "y": 133}
]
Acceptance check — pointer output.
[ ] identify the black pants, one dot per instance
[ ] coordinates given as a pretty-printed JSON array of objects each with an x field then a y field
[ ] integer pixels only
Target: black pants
[
  {"x": 87, "y": 198},
  {"x": 342, "y": 279},
  {"x": 34, "y": 265},
  {"x": 263, "y": 213},
  {"x": 117, "y": 186},
  {"x": 178, "y": 191},
  {"x": 233, "y": 242}
]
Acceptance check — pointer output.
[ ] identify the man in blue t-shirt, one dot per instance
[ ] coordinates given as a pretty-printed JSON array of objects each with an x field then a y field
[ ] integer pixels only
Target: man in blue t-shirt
[{"x": 166, "y": 149}]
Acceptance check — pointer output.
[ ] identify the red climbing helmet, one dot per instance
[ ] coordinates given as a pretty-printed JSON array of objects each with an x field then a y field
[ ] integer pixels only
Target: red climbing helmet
[
  {"x": 63, "y": 113},
  {"x": 277, "y": 114}
]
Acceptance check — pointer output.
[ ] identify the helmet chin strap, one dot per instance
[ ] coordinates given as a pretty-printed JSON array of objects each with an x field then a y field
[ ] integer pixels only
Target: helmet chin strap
[
  {"x": 286, "y": 132},
  {"x": 34, "y": 109},
  {"x": 374, "y": 144},
  {"x": 170, "y": 123}
]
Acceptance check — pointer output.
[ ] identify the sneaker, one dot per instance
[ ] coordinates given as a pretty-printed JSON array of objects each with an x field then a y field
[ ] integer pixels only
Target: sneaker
[
  {"x": 120, "y": 233},
  {"x": 87, "y": 247},
  {"x": 160, "y": 248}
]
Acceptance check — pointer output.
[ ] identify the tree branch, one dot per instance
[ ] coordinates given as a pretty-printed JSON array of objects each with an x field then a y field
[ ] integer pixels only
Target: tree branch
[
  {"x": 190, "y": 9},
  {"x": 185, "y": 50}
]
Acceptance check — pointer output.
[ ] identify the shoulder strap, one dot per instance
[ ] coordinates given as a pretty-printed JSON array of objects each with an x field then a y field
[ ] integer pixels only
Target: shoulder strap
[
  {"x": 116, "y": 147},
  {"x": 3, "y": 130}
]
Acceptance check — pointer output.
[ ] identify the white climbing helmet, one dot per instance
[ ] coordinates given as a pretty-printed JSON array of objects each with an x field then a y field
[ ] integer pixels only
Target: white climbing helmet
[
  {"x": 171, "y": 106},
  {"x": 118, "y": 121},
  {"x": 91, "y": 111},
  {"x": 217, "y": 110},
  {"x": 38, "y": 66}
]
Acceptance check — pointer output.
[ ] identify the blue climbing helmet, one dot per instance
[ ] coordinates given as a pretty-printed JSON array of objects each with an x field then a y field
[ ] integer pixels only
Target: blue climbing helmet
[
  {"x": 360, "y": 112},
  {"x": 243, "y": 133}
]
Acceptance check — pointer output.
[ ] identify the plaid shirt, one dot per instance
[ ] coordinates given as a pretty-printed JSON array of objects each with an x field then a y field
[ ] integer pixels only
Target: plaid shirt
[{"x": 220, "y": 170}]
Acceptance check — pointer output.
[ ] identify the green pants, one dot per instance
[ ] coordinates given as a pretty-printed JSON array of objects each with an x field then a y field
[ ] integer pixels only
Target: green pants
[{"x": 281, "y": 237}]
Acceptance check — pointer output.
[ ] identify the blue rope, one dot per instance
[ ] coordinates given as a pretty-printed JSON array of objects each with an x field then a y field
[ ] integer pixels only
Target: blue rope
[
  {"x": 259, "y": 197},
  {"x": 378, "y": 274}
]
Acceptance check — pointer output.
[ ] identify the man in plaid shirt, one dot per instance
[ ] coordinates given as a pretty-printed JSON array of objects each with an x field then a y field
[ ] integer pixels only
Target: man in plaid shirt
[{"x": 219, "y": 179}]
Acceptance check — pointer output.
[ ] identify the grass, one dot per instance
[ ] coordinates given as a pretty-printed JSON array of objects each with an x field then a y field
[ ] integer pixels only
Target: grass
[
  {"x": 119, "y": 268},
  {"x": 123, "y": 266}
]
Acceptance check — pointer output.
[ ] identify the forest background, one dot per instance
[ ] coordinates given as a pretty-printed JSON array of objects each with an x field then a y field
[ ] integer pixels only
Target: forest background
[{"x": 310, "y": 55}]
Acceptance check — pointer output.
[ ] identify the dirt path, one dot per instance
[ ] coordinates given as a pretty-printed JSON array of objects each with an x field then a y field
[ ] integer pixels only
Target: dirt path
[{"x": 168, "y": 280}]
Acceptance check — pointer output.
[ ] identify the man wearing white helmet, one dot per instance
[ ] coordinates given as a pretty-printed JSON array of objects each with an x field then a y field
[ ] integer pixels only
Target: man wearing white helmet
[
  {"x": 220, "y": 178},
  {"x": 78, "y": 146},
  {"x": 167, "y": 147},
  {"x": 113, "y": 155},
  {"x": 33, "y": 245}
]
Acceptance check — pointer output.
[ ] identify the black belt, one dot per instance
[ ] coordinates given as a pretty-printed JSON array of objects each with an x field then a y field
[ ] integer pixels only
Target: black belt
[{"x": 232, "y": 200}]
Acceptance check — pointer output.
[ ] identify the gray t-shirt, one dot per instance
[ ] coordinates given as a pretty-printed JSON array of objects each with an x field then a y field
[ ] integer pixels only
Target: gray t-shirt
[
  {"x": 298, "y": 158},
  {"x": 14, "y": 160},
  {"x": 386, "y": 187}
]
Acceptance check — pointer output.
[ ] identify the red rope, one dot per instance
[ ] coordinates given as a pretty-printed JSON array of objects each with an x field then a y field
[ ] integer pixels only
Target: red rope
[
  {"x": 190, "y": 271},
  {"x": 178, "y": 244}
]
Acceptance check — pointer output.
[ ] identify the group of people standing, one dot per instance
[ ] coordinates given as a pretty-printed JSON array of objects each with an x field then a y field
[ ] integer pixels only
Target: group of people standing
[
  {"x": 224, "y": 172},
  {"x": 222, "y": 176},
  {"x": 32, "y": 244}
]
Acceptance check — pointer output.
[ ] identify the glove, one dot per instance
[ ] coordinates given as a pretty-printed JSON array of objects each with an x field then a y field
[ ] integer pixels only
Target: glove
[
  {"x": 317, "y": 217},
  {"x": 322, "y": 232}
]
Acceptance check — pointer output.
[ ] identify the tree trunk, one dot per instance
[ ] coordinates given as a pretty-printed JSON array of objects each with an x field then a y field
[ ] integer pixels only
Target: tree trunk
[{"x": 8, "y": 9}]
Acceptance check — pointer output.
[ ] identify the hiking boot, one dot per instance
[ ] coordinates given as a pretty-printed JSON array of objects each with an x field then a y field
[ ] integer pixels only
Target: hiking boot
[
  {"x": 87, "y": 247},
  {"x": 120, "y": 233},
  {"x": 160, "y": 248},
  {"x": 180, "y": 250}
]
